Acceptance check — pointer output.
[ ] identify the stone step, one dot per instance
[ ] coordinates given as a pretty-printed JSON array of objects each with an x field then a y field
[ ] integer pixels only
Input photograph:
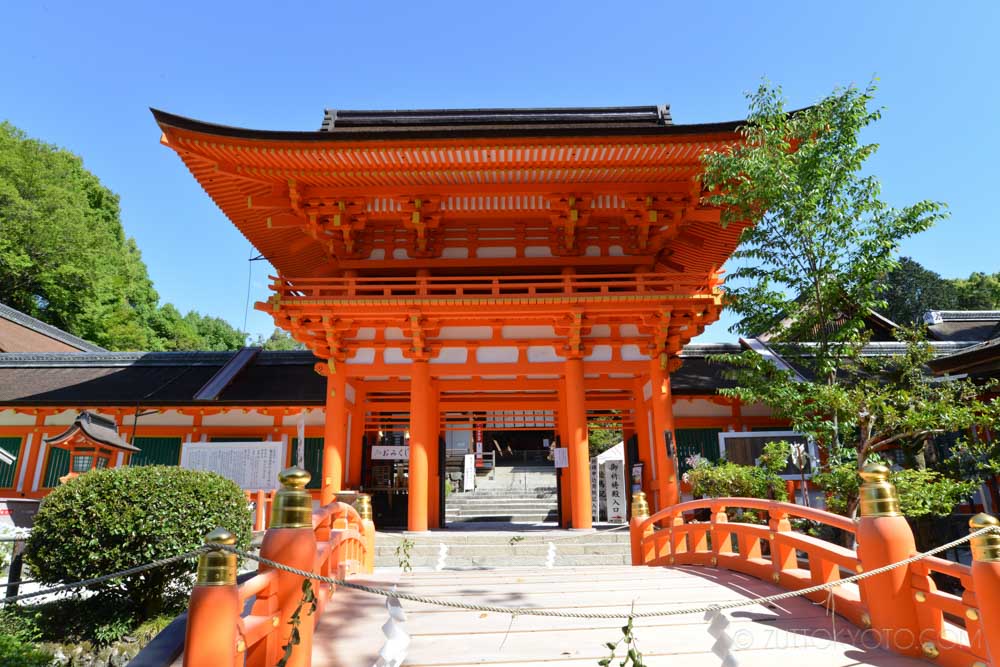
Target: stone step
[
  {"x": 502, "y": 536},
  {"x": 519, "y": 505},
  {"x": 503, "y": 518},
  {"x": 518, "y": 550},
  {"x": 456, "y": 562}
]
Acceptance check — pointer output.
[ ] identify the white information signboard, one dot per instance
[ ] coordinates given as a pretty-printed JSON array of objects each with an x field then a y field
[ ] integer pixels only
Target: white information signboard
[
  {"x": 614, "y": 488},
  {"x": 562, "y": 457},
  {"x": 469, "y": 477},
  {"x": 252, "y": 465},
  {"x": 391, "y": 453}
]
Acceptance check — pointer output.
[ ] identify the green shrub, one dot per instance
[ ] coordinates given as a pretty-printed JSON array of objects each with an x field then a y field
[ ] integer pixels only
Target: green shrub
[
  {"x": 929, "y": 493},
  {"x": 724, "y": 479},
  {"x": 110, "y": 520},
  {"x": 16, "y": 653}
]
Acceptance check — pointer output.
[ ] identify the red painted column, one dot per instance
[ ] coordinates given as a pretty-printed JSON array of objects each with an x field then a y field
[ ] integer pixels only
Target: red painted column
[
  {"x": 433, "y": 452},
  {"x": 421, "y": 434},
  {"x": 579, "y": 452},
  {"x": 667, "y": 493},
  {"x": 642, "y": 434},
  {"x": 565, "y": 493},
  {"x": 334, "y": 433},
  {"x": 357, "y": 436}
]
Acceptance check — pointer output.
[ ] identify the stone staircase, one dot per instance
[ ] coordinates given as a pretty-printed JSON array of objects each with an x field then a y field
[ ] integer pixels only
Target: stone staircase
[
  {"x": 487, "y": 549},
  {"x": 509, "y": 494}
]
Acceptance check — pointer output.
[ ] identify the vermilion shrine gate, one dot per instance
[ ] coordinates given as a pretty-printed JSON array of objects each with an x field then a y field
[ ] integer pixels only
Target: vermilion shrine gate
[{"x": 448, "y": 264}]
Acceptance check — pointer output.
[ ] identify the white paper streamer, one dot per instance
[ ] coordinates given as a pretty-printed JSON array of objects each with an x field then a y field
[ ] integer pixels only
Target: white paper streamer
[
  {"x": 550, "y": 557},
  {"x": 442, "y": 557},
  {"x": 397, "y": 639},
  {"x": 723, "y": 645}
]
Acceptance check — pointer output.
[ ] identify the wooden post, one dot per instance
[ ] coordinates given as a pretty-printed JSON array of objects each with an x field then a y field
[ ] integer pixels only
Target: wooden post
[
  {"x": 579, "y": 449},
  {"x": 884, "y": 537},
  {"x": 663, "y": 422},
  {"x": 214, "y": 611},
  {"x": 986, "y": 582},
  {"x": 421, "y": 433},
  {"x": 334, "y": 434},
  {"x": 290, "y": 540}
]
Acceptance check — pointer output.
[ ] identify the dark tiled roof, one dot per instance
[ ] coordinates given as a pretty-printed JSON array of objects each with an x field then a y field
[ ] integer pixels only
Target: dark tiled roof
[
  {"x": 697, "y": 375},
  {"x": 55, "y": 333},
  {"x": 339, "y": 120},
  {"x": 963, "y": 325},
  {"x": 98, "y": 428},
  {"x": 468, "y": 123},
  {"x": 155, "y": 378},
  {"x": 981, "y": 360}
]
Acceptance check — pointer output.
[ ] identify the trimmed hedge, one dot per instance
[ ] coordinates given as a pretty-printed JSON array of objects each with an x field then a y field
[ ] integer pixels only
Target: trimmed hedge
[{"x": 110, "y": 520}]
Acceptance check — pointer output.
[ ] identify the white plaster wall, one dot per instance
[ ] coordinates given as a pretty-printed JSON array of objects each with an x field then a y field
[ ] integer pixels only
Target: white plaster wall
[
  {"x": 496, "y": 355},
  {"x": 600, "y": 353},
  {"x": 633, "y": 353},
  {"x": 314, "y": 417},
  {"x": 451, "y": 355},
  {"x": 502, "y": 251},
  {"x": 542, "y": 353},
  {"x": 755, "y": 410},
  {"x": 164, "y": 418},
  {"x": 364, "y": 355},
  {"x": 237, "y": 418},
  {"x": 527, "y": 331},
  {"x": 464, "y": 333},
  {"x": 11, "y": 418},
  {"x": 699, "y": 407}
]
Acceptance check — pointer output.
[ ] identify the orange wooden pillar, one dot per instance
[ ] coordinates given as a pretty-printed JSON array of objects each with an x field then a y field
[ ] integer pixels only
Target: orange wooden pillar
[
  {"x": 433, "y": 452},
  {"x": 565, "y": 493},
  {"x": 884, "y": 537},
  {"x": 422, "y": 432},
  {"x": 579, "y": 452},
  {"x": 642, "y": 421},
  {"x": 986, "y": 580},
  {"x": 666, "y": 491},
  {"x": 334, "y": 433},
  {"x": 357, "y": 437}
]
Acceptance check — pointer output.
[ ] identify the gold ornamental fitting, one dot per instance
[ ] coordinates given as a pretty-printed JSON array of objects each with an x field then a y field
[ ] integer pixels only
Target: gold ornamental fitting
[
  {"x": 878, "y": 495},
  {"x": 640, "y": 508},
  {"x": 293, "y": 505},
  {"x": 217, "y": 568},
  {"x": 364, "y": 506},
  {"x": 985, "y": 547}
]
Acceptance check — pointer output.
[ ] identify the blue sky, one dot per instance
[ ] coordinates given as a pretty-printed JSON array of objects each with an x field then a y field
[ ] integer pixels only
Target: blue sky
[{"x": 82, "y": 75}]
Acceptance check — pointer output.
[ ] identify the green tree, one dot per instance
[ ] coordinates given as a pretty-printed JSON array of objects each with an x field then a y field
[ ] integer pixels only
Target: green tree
[
  {"x": 278, "y": 340},
  {"x": 819, "y": 239},
  {"x": 65, "y": 259},
  {"x": 980, "y": 291},
  {"x": 814, "y": 258},
  {"x": 910, "y": 290}
]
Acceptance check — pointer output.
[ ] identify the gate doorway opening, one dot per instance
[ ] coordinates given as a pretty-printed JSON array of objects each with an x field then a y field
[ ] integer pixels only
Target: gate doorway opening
[{"x": 501, "y": 471}]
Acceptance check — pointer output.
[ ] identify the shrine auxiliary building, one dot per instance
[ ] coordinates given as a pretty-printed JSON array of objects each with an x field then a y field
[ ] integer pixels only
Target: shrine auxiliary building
[{"x": 454, "y": 269}]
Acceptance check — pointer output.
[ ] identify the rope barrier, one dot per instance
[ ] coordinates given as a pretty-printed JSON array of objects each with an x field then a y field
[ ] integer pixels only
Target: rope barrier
[
  {"x": 532, "y": 611},
  {"x": 114, "y": 575},
  {"x": 512, "y": 611}
]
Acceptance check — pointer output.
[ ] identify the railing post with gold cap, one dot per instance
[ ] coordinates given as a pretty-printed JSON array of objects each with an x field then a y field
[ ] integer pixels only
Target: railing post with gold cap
[
  {"x": 884, "y": 537},
  {"x": 290, "y": 540},
  {"x": 986, "y": 582},
  {"x": 214, "y": 611},
  {"x": 641, "y": 554},
  {"x": 364, "y": 506}
]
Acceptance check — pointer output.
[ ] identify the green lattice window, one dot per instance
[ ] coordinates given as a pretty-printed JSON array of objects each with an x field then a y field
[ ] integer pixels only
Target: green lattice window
[
  {"x": 701, "y": 441},
  {"x": 156, "y": 452},
  {"x": 57, "y": 466},
  {"x": 7, "y": 470},
  {"x": 314, "y": 459},
  {"x": 245, "y": 438}
]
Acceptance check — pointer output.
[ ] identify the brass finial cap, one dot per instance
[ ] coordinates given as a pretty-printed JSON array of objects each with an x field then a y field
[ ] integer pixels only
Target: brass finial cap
[
  {"x": 878, "y": 495},
  {"x": 986, "y": 547},
  {"x": 292, "y": 503},
  {"x": 364, "y": 506},
  {"x": 640, "y": 508},
  {"x": 217, "y": 568}
]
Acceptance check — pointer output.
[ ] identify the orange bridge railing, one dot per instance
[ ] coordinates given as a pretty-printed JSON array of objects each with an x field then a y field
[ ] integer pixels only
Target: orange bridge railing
[
  {"x": 901, "y": 608},
  {"x": 337, "y": 540}
]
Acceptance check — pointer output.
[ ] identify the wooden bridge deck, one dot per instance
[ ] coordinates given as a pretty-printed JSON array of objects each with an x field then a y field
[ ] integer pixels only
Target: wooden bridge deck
[{"x": 350, "y": 633}]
